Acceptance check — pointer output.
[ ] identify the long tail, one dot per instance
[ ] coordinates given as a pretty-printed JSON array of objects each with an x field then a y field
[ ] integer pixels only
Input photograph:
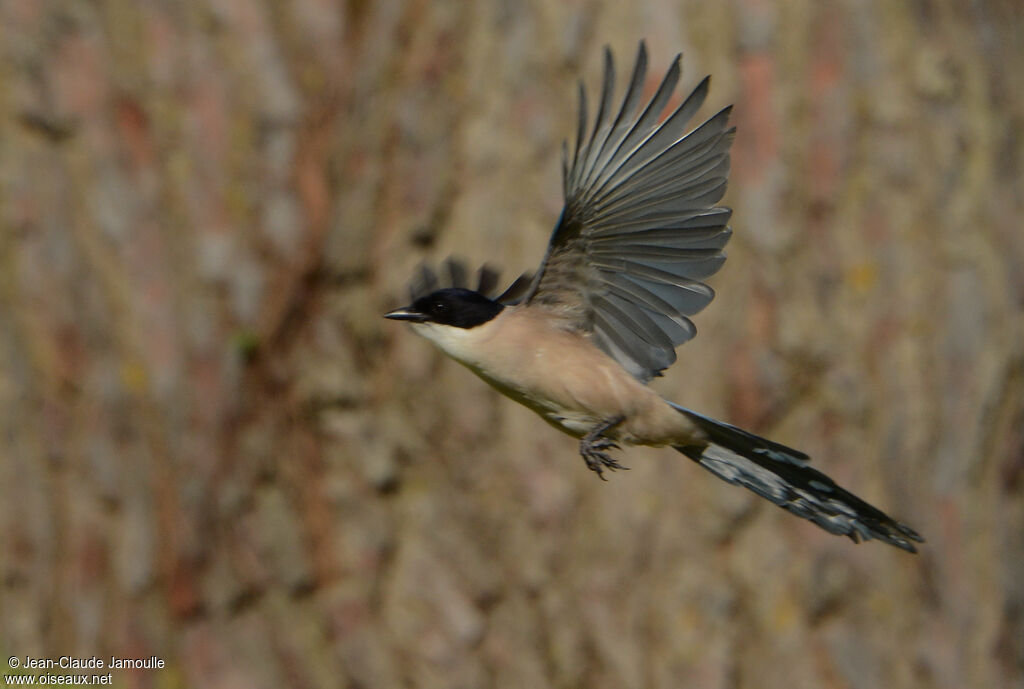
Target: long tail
[{"x": 782, "y": 475}]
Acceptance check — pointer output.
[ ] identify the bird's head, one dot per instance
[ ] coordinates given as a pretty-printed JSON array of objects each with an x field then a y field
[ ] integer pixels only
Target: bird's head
[{"x": 454, "y": 307}]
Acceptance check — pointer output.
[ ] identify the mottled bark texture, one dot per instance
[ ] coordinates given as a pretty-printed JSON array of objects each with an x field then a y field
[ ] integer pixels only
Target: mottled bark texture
[{"x": 216, "y": 451}]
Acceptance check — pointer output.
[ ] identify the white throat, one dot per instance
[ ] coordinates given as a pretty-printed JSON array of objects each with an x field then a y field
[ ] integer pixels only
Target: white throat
[{"x": 461, "y": 344}]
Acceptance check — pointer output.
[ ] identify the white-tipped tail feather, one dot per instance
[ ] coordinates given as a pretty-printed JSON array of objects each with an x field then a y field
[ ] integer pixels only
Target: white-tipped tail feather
[{"x": 782, "y": 475}]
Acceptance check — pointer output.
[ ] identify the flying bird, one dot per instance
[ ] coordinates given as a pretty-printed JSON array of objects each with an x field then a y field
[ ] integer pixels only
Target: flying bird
[{"x": 579, "y": 340}]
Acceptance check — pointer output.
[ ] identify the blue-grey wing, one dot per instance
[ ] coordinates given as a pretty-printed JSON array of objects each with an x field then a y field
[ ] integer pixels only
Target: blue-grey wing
[{"x": 639, "y": 230}]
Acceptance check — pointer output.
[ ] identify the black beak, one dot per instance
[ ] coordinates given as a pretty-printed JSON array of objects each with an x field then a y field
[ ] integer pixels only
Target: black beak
[{"x": 406, "y": 313}]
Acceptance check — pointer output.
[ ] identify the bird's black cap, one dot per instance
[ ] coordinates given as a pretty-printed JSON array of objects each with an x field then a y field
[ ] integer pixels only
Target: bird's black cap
[{"x": 453, "y": 306}]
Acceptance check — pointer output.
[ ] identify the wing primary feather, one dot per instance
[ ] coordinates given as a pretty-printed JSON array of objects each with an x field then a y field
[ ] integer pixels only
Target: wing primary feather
[
  {"x": 700, "y": 238},
  {"x": 673, "y": 168},
  {"x": 708, "y": 137},
  {"x": 487, "y": 280},
  {"x": 692, "y": 201},
  {"x": 652, "y": 274},
  {"x": 691, "y": 263},
  {"x": 565, "y": 169},
  {"x": 642, "y": 127},
  {"x": 690, "y": 185},
  {"x": 457, "y": 275},
  {"x": 716, "y": 217},
  {"x": 424, "y": 282},
  {"x": 608, "y": 86},
  {"x": 708, "y": 141},
  {"x": 634, "y": 91},
  {"x": 515, "y": 292},
  {"x": 581, "y": 126},
  {"x": 661, "y": 253},
  {"x": 662, "y": 138}
]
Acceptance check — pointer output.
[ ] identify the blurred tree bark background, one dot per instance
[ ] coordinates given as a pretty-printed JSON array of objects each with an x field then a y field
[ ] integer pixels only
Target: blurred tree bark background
[{"x": 217, "y": 452}]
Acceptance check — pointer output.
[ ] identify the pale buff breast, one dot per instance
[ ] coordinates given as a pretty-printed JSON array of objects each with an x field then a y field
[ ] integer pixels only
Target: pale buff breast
[{"x": 559, "y": 374}]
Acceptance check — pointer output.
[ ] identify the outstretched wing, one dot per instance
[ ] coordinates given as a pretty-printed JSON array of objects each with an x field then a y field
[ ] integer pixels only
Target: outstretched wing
[
  {"x": 639, "y": 229},
  {"x": 453, "y": 273}
]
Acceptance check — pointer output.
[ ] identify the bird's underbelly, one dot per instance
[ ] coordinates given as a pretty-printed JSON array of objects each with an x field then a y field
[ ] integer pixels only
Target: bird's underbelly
[
  {"x": 645, "y": 418},
  {"x": 573, "y": 422},
  {"x": 568, "y": 419}
]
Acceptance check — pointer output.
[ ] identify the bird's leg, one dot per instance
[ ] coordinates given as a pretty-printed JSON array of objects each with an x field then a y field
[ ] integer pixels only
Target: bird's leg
[{"x": 593, "y": 447}]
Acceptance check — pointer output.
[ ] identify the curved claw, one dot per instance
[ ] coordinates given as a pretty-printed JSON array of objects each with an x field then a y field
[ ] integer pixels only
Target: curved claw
[
  {"x": 593, "y": 448},
  {"x": 605, "y": 444}
]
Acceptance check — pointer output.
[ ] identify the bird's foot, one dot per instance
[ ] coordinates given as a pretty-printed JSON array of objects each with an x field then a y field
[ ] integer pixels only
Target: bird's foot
[{"x": 594, "y": 446}]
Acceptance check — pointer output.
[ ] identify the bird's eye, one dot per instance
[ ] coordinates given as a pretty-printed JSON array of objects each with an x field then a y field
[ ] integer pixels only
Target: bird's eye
[{"x": 440, "y": 307}]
